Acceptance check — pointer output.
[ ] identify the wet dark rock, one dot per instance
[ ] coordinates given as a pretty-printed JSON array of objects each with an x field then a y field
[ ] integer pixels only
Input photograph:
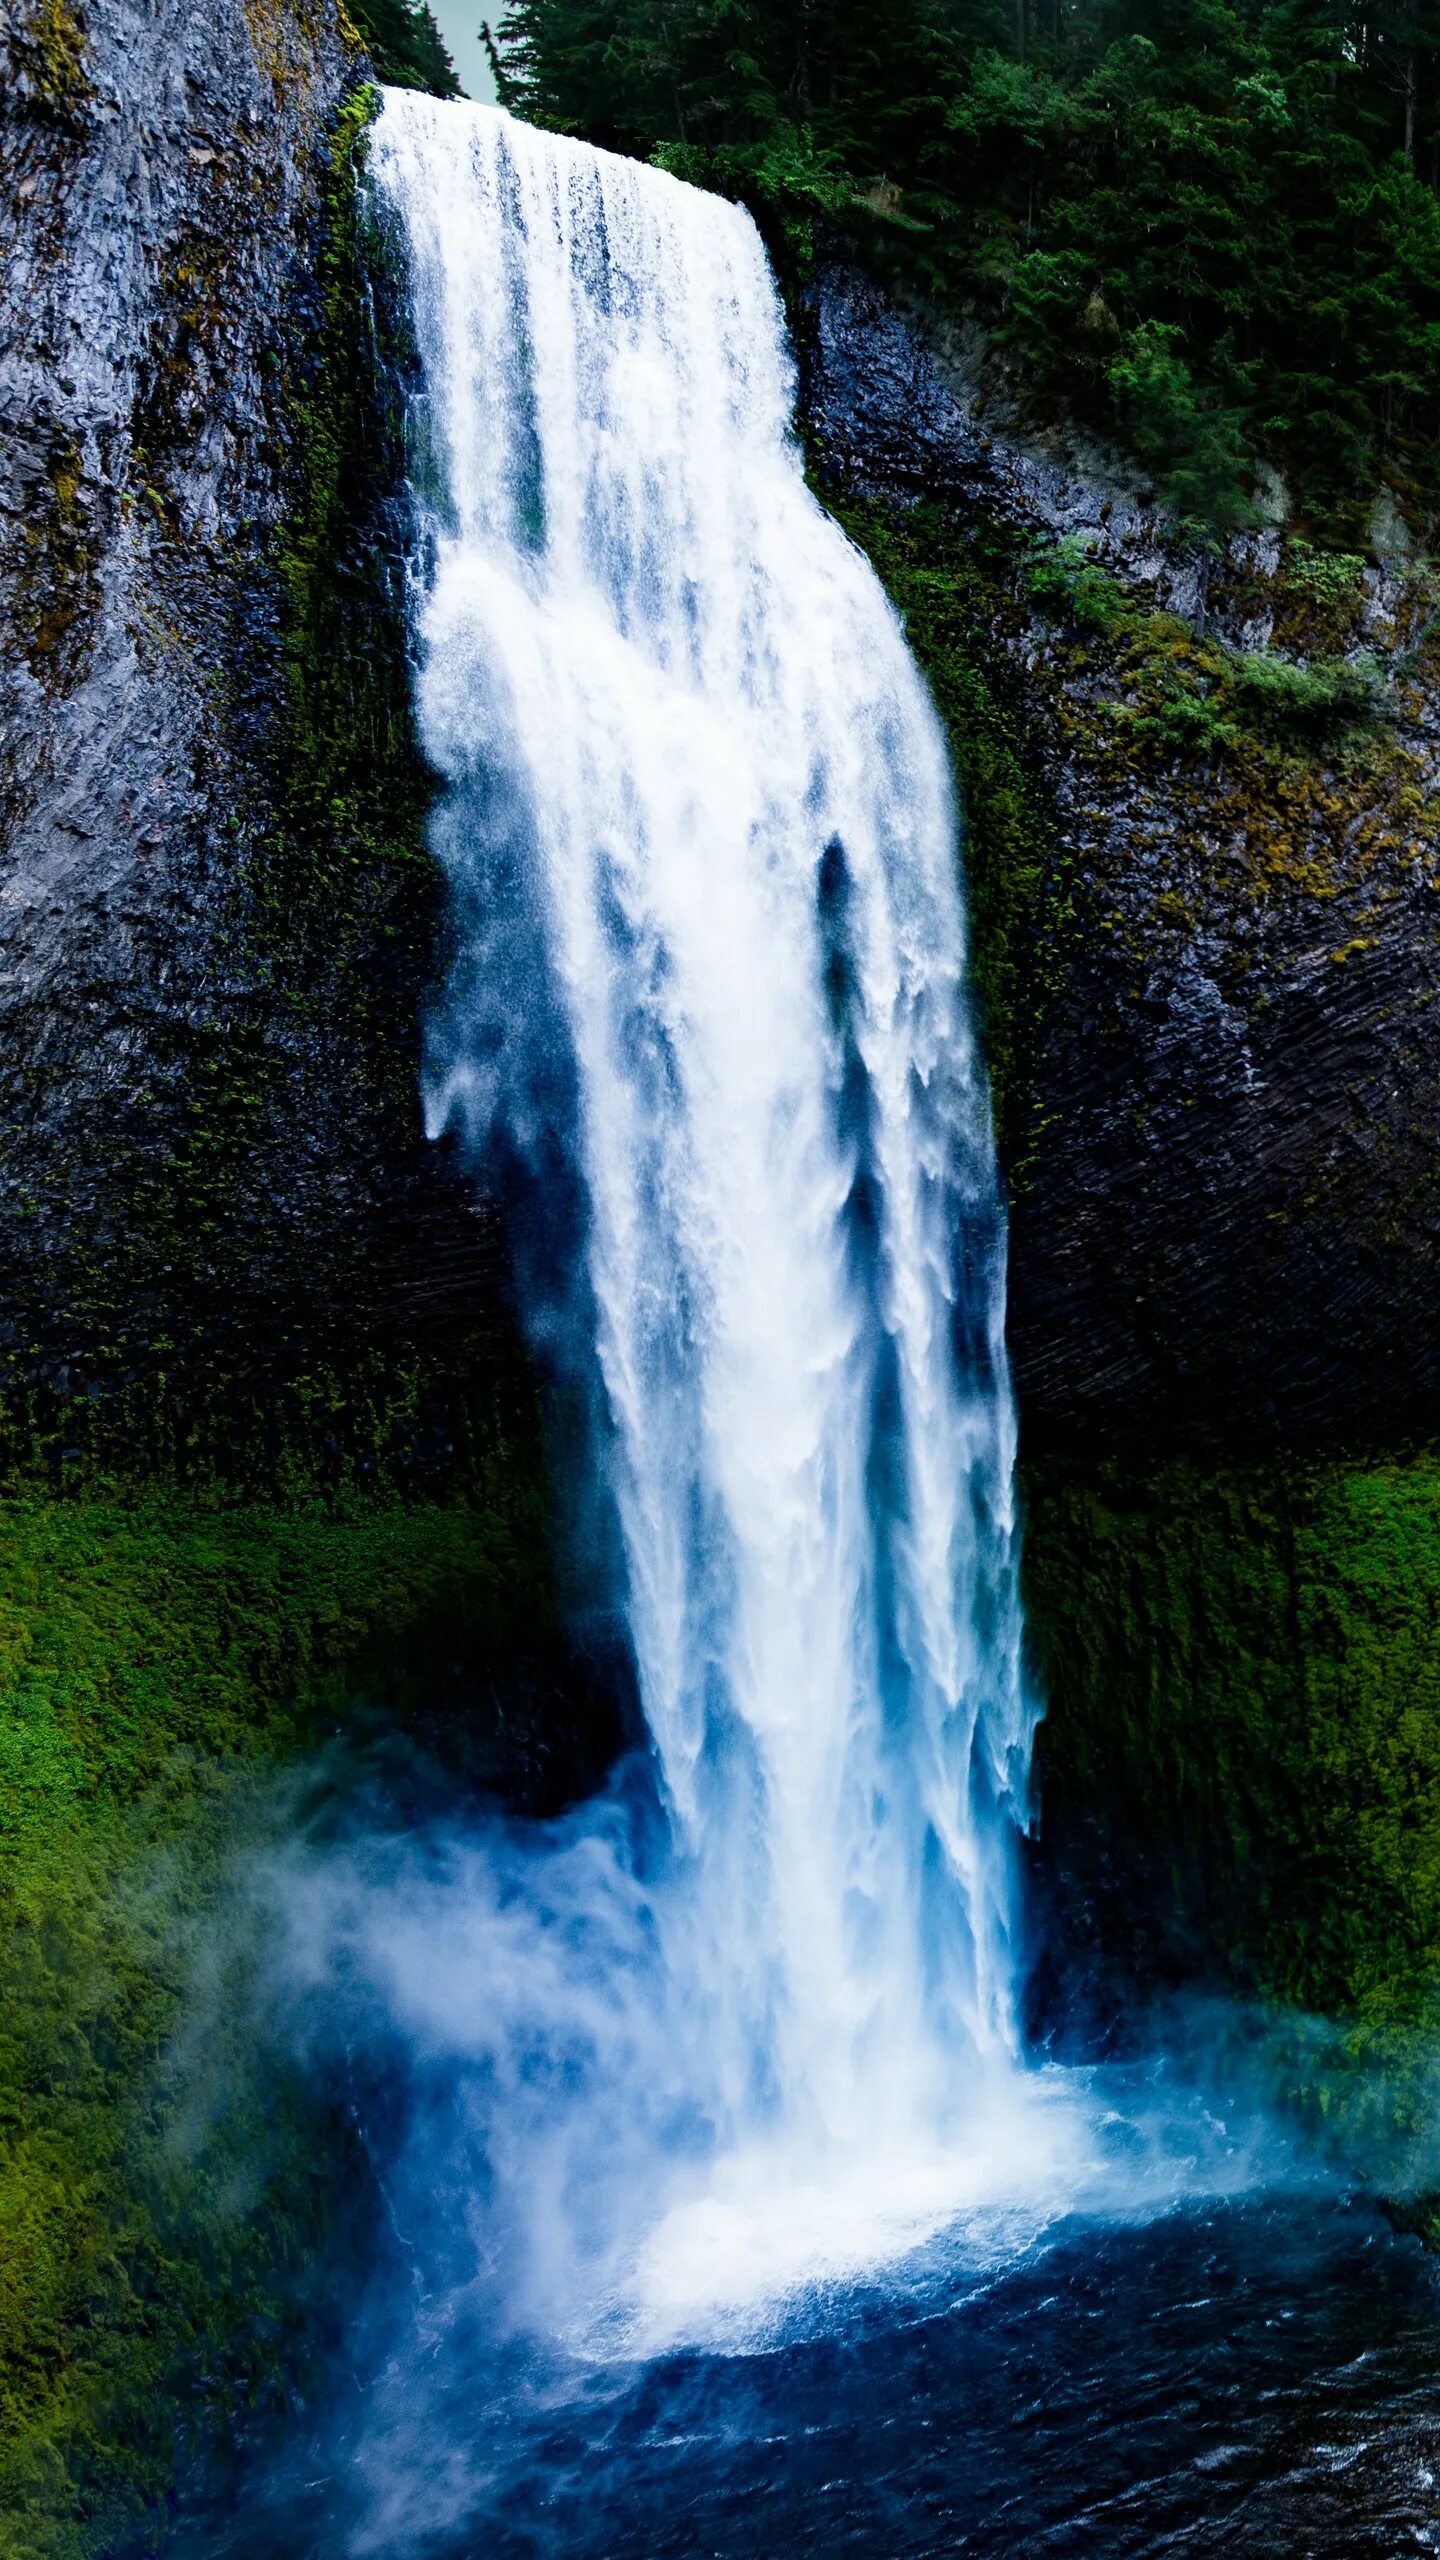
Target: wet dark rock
[
  {"x": 217, "y": 920},
  {"x": 1226, "y": 1183},
  {"x": 1226, "y": 1222}
]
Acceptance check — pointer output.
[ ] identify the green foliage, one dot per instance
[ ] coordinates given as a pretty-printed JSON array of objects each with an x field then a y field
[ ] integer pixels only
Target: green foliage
[
  {"x": 1330, "y": 578},
  {"x": 405, "y": 45},
  {"x": 1214, "y": 231},
  {"x": 1196, "y": 445},
  {"x": 1064, "y": 579},
  {"x": 166, "y": 2204},
  {"x": 1191, "y": 696},
  {"x": 1314, "y": 700}
]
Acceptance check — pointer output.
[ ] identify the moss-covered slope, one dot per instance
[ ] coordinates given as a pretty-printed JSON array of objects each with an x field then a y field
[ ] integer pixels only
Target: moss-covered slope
[
  {"x": 1243, "y": 1745},
  {"x": 175, "y": 2198}
]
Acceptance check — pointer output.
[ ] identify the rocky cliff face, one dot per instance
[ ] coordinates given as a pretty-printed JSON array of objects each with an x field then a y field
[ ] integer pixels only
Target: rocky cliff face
[
  {"x": 1204, "y": 855},
  {"x": 1204, "y": 850},
  {"x": 1213, "y": 965},
  {"x": 228, "y": 1262},
  {"x": 216, "y": 912}
]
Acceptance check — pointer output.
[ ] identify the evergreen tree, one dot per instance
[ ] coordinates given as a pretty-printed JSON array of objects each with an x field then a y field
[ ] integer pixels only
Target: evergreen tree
[{"x": 405, "y": 45}]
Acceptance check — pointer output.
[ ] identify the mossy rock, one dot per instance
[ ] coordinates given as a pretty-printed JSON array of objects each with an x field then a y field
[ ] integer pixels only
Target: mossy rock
[
  {"x": 178, "y": 2200},
  {"x": 1239, "y": 1769}
]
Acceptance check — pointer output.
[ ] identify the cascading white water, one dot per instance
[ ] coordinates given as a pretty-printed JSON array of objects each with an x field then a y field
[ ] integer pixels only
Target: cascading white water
[{"x": 703, "y": 849}]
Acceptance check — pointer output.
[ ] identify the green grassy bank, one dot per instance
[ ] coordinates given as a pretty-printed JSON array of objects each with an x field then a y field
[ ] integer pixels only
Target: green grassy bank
[{"x": 169, "y": 2194}]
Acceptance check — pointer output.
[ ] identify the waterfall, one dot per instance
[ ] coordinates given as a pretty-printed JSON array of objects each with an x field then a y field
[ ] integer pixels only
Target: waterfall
[{"x": 709, "y": 981}]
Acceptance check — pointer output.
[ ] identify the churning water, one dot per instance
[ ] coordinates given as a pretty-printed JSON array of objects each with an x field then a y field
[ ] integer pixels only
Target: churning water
[{"x": 701, "y": 839}]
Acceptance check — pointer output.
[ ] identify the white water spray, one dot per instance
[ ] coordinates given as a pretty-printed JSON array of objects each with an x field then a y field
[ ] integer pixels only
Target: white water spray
[{"x": 702, "y": 843}]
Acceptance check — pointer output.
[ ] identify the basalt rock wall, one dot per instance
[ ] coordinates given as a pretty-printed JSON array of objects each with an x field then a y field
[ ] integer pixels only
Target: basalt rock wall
[
  {"x": 220, "y": 1230},
  {"x": 1207, "y": 914},
  {"x": 1206, "y": 896}
]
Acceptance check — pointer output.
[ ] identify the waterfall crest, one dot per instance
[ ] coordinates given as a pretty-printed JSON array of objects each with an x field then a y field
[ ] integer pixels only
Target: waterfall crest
[{"x": 710, "y": 961}]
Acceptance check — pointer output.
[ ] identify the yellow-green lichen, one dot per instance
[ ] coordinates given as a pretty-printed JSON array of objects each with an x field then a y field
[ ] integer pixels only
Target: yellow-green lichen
[
  {"x": 55, "y": 595},
  {"x": 51, "y": 42}
]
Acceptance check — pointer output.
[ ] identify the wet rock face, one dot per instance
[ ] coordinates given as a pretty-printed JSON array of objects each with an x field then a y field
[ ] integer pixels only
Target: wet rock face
[
  {"x": 217, "y": 917},
  {"x": 158, "y": 197},
  {"x": 160, "y": 176},
  {"x": 1226, "y": 1219},
  {"x": 217, "y": 925}
]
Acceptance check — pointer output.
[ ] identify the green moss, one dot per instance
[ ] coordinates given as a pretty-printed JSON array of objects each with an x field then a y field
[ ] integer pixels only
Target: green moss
[
  {"x": 133, "y": 1635},
  {"x": 166, "y": 2207},
  {"x": 50, "y": 41},
  {"x": 1241, "y": 1759},
  {"x": 1064, "y": 579},
  {"x": 56, "y": 590},
  {"x": 950, "y": 598}
]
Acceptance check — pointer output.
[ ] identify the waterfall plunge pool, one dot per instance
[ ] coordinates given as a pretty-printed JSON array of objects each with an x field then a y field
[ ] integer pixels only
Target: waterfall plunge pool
[{"x": 1256, "y": 2377}]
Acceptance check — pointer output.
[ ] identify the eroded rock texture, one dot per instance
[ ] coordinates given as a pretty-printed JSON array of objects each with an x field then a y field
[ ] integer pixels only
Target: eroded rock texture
[
  {"x": 1221, "y": 1064},
  {"x": 216, "y": 913},
  {"x": 1227, "y": 1177}
]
